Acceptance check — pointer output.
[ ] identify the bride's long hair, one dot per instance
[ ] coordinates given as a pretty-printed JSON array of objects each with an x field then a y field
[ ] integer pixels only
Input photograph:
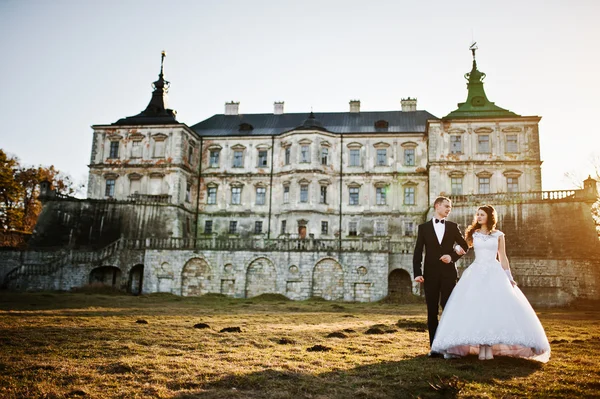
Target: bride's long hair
[{"x": 492, "y": 217}]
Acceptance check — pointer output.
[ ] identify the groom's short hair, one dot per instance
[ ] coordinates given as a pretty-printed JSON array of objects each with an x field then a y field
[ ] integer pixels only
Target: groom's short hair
[{"x": 441, "y": 199}]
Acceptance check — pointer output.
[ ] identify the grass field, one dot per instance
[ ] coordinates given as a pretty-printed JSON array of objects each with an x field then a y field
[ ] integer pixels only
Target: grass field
[{"x": 63, "y": 345}]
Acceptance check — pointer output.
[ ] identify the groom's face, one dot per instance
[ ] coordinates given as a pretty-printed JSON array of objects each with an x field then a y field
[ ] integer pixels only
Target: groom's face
[{"x": 443, "y": 209}]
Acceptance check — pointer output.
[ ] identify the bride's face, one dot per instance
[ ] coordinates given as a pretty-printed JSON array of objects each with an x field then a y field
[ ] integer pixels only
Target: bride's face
[{"x": 481, "y": 217}]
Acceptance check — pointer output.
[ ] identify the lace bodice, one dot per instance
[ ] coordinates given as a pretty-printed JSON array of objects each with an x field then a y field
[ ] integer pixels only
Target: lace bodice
[{"x": 486, "y": 245}]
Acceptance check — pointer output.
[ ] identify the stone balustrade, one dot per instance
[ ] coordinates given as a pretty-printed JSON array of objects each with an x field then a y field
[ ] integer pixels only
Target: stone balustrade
[{"x": 523, "y": 197}]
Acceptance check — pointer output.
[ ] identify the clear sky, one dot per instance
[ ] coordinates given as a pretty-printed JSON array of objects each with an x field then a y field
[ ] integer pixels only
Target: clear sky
[{"x": 67, "y": 65}]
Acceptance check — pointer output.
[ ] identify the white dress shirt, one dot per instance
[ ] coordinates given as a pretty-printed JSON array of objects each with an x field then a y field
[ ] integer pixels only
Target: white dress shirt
[{"x": 440, "y": 229}]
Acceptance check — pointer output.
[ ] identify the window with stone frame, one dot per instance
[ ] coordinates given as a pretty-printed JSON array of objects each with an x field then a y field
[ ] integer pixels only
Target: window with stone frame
[
  {"x": 262, "y": 158},
  {"x": 208, "y": 227},
  {"x": 483, "y": 143},
  {"x": 484, "y": 185},
  {"x": 512, "y": 144},
  {"x": 238, "y": 158},
  {"x": 283, "y": 227},
  {"x": 352, "y": 228},
  {"x": 324, "y": 155},
  {"x": 236, "y": 195},
  {"x": 287, "y": 155},
  {"x": 136, "y": 149},
  {"x": 323, "y": 197},
  {"x": 159, "y": 147},
  {"x": 380, "y": 195},
  {"x": 211, "y": 195},
  {"x": 304, "y": 193},
  {"x": 258, "y": 227},
  {"x": 380, "y": 228},
  {"x": 382, "y": 157},
  {"x": 409, "y": 195},
  {"x": 114, "y": 150},
  {"x": 109, "y": 189},
  {"x": 409, "y": 157},
  {"x": 354, "y": 195},
  {"x": 354, "y": 157},
  {"x": 512, "y": 184},
  {"x": 305, "y": 153},
  {"x": 233, "y": 227},
  {"x": 324, "y": 227},
  {"x": 261, "y": 194},
  {"x": 286, "y": 194},
  {"x": 456, "y": 144},
  {"x": 409, "y": 229},
  {"x": 214, "y": 158},
  {"x": 456, "y": 184},
  {"x": 190, "y": 154},
  {"x": 188, "y": 192}
]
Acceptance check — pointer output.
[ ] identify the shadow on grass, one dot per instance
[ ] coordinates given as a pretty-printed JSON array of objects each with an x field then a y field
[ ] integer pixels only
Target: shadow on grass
[{"x": 418, "y": 377}]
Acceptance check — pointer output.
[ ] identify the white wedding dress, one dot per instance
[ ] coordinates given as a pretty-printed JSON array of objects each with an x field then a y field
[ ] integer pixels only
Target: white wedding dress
[{"x": 485, "y": 309}]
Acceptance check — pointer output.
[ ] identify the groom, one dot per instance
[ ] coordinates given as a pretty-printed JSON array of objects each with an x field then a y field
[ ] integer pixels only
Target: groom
[{"x": 438, "y": 236}]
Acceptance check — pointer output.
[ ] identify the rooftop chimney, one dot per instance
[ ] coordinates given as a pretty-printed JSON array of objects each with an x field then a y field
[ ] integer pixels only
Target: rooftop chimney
[
  {"x": 355, "y": 106},
  {"x": 409, "y": 104},
  {"x": 278, "y": 108},
  {"x": 232, "y": 108}
]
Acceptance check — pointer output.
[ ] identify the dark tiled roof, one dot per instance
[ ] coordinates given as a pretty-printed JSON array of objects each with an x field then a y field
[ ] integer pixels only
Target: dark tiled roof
[{"x": 335, "y": 122}]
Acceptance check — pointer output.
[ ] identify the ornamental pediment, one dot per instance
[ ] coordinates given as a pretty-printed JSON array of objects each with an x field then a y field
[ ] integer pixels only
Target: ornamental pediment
[
  {"x": 353, "y": 184},
  {"x": 354, "y": 144},
  {"x": 410, "y": 183},
  {"x": 159, "y": 136},
  {"x": 456, "y": 173},
  {"x": 456, "y": 130},
  {"x": 136, "y": 137},
  {"x": 238, "y": 147},
  {"x": 324, "y": 182},
  {"x": 114, "y": 137},
  {"x": 409, "y": 144},
  {"x": 381, "y": 144},
  {"x": 512, "y": 173},
  {"x": 512, "y": 129},
  {"x": 134, "y": 176},
  {"x": 305, "y": 142},
  {"x": 484, "y": 174},
  {"x": 483, "y": 130},
  {"x": 380, "y": 184},
  {"x": 325, "y": 143}
]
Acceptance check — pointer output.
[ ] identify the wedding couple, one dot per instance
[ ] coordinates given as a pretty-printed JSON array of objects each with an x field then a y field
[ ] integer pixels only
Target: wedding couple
[{"x": 486, "y": 313}]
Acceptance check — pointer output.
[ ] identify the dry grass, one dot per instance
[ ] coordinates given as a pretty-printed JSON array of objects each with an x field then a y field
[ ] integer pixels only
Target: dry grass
[{"x": 57, "y": 345}]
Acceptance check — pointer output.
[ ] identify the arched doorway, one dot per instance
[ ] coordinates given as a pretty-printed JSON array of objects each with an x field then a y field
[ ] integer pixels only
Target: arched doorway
[
  {"x": 261, "y": 278},
  {"x": 106, "y": 275},
  {"x": 328, "y": 280},
  {"x": 399, "y": 284},
  {"x": 136, "y": 279},
  {"x": 195, "y": 278}
]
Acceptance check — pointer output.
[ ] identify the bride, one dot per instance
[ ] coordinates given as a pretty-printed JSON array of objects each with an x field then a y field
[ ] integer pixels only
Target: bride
[{"x": 487, "y": 314}]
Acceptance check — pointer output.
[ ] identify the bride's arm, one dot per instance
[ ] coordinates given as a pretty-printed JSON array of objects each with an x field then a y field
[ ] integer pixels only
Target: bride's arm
[{"x": 504, "y": 259}]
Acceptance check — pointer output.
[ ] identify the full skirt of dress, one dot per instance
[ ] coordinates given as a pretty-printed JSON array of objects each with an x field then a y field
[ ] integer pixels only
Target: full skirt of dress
[{"x": 485, "y": 309}]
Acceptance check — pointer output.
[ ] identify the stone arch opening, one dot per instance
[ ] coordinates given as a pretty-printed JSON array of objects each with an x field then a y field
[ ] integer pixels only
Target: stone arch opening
[
  {"x": 195, "y": 277},
  {"x": 136, "y": 279},
  {"x": 261, "y": 278},
  {"x": 328, "y": 280},
  {"x": 106, "y": 275},
  {"x": 399, "y": 284}
]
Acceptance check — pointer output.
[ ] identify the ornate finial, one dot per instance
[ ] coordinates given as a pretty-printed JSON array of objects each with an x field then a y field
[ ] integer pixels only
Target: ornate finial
[
  {"x": 473, "y": 48},
  {"x": 163, "y": 54}
]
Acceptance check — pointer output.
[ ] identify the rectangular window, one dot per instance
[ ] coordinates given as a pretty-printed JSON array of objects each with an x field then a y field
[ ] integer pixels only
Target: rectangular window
[
  {"x": 258, "y": 227},
  {"x": 214, "y": 158},
  {"x": 159, "y": 149},
  {"x": 260, "y": 195},
  {"x": 236, "y": 195},
  {"x": 382, "y": 157},
  {"x": 409, "y": 156},
  {"x": 324, "y": 228},
  {"x": 287, "y": 155},
  {"x": 233, "y": 227},
  {"x": 354, "y": 191},
  {"x": 136, "y": 149},
  {"x": 380, "y": 195},
  {"x": 188, "y": 192},
  {"x": 286, "y": 194},
  {"x": 262, "y": 158},
  {"x": 457, "y": 186},
  {"x": 409, "y": 228},
  {"x": 456, "y": 144},
  {"x": 380, "y": 228},
  {"x": 513, "y": 184},
  {"x": 238, "y": 159},
  {"x": 352, "y": 228},
  {"x": 208, "y": 226},
  {"x": 323, "y": 199},
  {"x": 212, "y": 196},
  {"x": 304, "y": 193},
  {"x": 283, "y": 227},
  {"x": 110, "y": 188},
  {"x": 135, "y": 186},
  {"x": 355, "y": 157},
  {"x": 324, "y": 156},
  {"x": 409, "y": 195},
  {"x": 511, "y": 143},
  {"x": 484, "y": 185},
  {"x": 190, "y": 156},
  {"x": 114, "y": 149},
  {"x": 483, "y": 143},
  {"x": 305, "y": 154}
]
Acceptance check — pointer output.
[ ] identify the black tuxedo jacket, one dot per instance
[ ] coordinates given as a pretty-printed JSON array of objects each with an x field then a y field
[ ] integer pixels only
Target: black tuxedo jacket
[{"x": 434, "y": 250}]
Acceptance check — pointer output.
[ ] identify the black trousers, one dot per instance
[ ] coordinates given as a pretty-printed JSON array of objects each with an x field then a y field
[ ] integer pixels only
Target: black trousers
[{"x": 437, "y": 291}]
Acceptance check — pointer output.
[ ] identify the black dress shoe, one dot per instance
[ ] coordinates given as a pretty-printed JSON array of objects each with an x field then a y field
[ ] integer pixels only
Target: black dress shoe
[{"x": 433, "y": 354}]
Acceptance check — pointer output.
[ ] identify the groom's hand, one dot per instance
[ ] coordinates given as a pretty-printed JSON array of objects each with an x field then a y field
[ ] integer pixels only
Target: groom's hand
[
  {"x": 446, "y": 259},
  {"x": 419, "y": 279}
]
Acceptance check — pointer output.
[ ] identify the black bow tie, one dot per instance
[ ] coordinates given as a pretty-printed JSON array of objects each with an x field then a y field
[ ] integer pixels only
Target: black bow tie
[{"x": 440, "y": 221}]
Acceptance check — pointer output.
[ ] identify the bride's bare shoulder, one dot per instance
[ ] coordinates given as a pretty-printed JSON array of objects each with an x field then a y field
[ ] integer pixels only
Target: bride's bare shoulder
[{"x": 498, "y": 233}]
